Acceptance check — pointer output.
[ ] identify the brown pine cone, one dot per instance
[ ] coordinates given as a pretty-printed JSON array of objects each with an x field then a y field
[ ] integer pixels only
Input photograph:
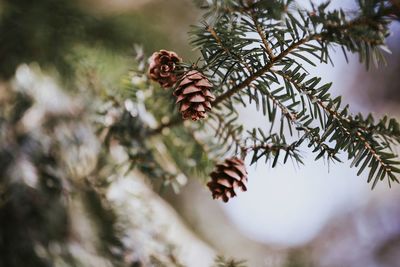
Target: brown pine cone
[
  {"x": 227, "y": 178},
  {"x": 162, "y": 65},
  {"x": 194, "y": 95}
]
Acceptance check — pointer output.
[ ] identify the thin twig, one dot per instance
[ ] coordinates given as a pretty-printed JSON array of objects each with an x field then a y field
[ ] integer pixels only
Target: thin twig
[
  {"x": 285, "y": 111},
  {"x": 265, "y": 69},
  {"x": 264, "y": 40},
  {"x": 227, "y": 50},
  {"x": 269, "y": 147}
]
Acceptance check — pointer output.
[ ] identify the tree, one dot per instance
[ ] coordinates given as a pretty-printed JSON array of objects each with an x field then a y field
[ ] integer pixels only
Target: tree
[{"x": 63, "y": 153}]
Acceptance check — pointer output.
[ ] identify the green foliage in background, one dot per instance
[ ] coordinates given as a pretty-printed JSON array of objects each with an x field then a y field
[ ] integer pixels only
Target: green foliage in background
[
  {"x": 220, "y": 261},
  {"x": 50, "y": 32}
]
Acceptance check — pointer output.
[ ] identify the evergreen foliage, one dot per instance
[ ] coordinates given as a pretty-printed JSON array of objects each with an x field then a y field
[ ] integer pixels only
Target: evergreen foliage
[
  {"x": 259, "y": 53},
  {"x": 221, "y": 261}
]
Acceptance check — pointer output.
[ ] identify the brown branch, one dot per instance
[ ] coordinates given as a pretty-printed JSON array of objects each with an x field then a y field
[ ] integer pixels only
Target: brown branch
[
  {"x": 264, "y": 40},
  {"x": 270, "y": 147},
  {"x": 264, "y": 69}
]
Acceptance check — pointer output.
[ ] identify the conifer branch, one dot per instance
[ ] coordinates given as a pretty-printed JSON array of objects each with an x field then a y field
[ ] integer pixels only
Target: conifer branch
[
  {"x": 342, "y": 122},
  {"x": 241, "y": 65},
  {"x": 291, "y": 116},
  {"x": 269, "y": 147},
  {"x": 310, "y": 133},
  {"x": 264, "y": 69},
  {"x": 264, "y": 40},
  {"x": 226, "y": 49}
]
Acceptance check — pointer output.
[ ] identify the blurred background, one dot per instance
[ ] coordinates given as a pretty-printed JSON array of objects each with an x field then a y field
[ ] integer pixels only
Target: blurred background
[{"x": 312, "y": 215}]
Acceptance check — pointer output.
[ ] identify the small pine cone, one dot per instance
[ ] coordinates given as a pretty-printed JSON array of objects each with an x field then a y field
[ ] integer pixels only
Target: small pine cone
[
  {"x": 194, "y": 95},
  {"x": 227, "y": 178},
  {"x": 162, "y": 67}
]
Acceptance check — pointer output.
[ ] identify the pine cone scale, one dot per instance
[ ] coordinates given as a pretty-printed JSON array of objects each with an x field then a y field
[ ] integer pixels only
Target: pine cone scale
[
  {"x": 207, "y": 105},
  {"x": 200, "y": 108},
  {"x": 204, "y": 83},
  {"x": 191, "y": 89},
  {"x": 195, "y": 75},
  {"x": 209, "y": 95},
  {"x": 233, "y": 174},
  {"x": 184, "y": 107},
  {"x": 185, "y": 81},
  {"x": 225, "y": 182},
  {"x": 197, "y": 99}
]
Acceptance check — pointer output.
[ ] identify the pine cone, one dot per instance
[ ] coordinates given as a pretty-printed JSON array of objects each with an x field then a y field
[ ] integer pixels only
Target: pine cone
[
  {"x": 227, "y": 178},
  {"x": 194, "y": 95},
  {"x": 162, "y": 67}
]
